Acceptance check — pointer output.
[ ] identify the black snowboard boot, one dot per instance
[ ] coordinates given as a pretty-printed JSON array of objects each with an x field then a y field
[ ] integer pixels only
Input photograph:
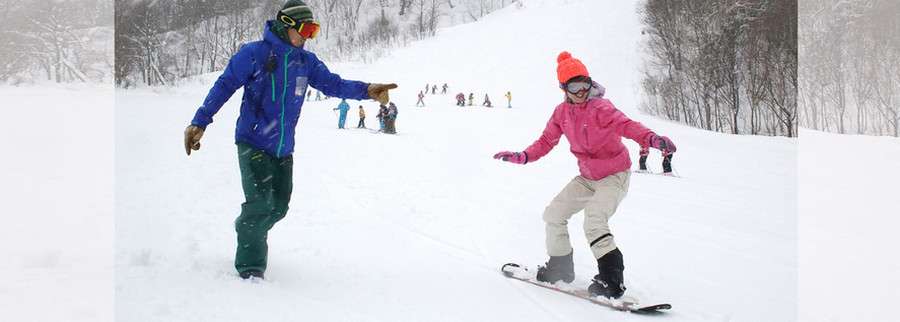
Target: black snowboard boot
[
  {"x": 251, "y": 274},
  {"x": 609, "y": 283},
  {"x": 558, "y": 268}
]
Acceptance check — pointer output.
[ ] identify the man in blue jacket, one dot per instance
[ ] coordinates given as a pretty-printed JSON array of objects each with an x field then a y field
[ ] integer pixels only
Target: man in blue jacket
[
  {"x": 274, "y": 73},
  {"x": 343, "y": 107}
]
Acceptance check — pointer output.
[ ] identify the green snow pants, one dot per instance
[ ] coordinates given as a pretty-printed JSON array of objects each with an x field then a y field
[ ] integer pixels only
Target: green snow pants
[{"x": 267, "y": 183}]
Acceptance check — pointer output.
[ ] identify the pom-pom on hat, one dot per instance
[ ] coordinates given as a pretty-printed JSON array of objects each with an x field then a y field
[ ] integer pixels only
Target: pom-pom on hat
[{"x": 568, "y": 67}]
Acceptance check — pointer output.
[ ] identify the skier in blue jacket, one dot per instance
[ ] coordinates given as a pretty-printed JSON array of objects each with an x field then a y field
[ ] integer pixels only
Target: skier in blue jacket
[
  {"x": 274, "y": 73},
  {"x": 343, "y": 107}
]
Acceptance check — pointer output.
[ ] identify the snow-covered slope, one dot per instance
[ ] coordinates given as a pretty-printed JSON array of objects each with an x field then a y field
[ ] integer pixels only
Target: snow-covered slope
[
  {"x": 849, "y": 270},
  {"x": 415, "y": 226},
  {"x": 56, "y": 188}
]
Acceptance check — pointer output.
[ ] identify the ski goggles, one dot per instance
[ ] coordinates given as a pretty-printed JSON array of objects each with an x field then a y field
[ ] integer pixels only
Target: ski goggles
[
  {"x": 578, "y": 86},
  {"x": 307, "y": 29}
]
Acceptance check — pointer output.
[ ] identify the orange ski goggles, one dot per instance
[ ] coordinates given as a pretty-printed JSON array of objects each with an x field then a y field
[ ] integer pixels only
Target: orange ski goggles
[{"x": 307, "y": 29}]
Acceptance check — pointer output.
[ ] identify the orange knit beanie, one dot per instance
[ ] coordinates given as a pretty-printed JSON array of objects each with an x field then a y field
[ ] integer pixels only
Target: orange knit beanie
[{"x": 569, "y": 67}]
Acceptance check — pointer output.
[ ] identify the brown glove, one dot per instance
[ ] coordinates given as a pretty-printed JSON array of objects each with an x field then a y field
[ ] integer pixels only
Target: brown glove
[
  {"x": 192, "y": 135},
  {"x": 379, "y": 92}
]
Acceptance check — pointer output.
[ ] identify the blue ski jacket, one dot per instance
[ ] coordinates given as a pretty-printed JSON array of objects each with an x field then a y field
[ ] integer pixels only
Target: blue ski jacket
[
  {"x": 343, "y": 107},
  {"x": 275, "y": 76}
]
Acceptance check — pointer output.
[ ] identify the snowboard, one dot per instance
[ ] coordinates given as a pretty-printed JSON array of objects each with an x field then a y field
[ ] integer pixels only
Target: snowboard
[{"x": 516, "y": 271}]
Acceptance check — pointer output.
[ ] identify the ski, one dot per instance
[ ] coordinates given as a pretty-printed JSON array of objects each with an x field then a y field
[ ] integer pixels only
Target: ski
[
  {"x": 664, "y": 174},
  {"x": 516, "y": 271}
]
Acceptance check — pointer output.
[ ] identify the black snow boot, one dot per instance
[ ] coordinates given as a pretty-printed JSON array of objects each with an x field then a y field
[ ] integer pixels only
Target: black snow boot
[
  {"x": 558, "y": 268},
  {"x": 609, "y": 283},
  {"x": 248, "y": 274}
]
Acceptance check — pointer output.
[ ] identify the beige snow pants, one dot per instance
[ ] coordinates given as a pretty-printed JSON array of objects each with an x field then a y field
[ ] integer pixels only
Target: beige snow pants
[{"x": 599, "y": 200}]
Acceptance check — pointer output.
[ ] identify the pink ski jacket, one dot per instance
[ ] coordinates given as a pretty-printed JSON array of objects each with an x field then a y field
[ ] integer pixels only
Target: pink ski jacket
[{"x": 594, "y": 130}]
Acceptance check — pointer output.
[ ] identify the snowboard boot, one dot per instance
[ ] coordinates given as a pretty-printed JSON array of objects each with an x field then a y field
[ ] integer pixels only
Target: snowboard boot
[
  {"x": 250, "y": 274},
  {"x": 609, "y": 282},
  {"x": 558, "y": 268}
]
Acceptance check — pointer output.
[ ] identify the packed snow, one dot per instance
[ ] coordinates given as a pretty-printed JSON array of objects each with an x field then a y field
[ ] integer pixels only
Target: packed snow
[
  {"x": 56, "y": 183},
  {"x": 849, "y": 269}
]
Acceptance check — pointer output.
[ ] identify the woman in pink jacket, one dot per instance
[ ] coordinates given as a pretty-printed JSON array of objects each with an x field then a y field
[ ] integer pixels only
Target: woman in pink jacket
[{"x": 594, "y": 129}]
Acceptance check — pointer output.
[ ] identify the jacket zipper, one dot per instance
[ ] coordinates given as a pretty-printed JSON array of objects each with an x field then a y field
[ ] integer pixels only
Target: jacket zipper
[
  {"x": 272, "y": 75},
  {"x": 283, "y": 94},
  {"x": 584, "y": 129}
]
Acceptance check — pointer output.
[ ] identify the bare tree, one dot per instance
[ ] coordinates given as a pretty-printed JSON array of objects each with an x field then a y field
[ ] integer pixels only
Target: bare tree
[
  {"x": 711, "y": 64},
  {"x": 850, "y": 75}
]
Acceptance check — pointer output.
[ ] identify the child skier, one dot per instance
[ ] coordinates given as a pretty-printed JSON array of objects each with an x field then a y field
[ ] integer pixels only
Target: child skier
[
  {"x": 382, "y": 114},
  {"x": 594, "y": 128},
  {"x": 444, "y": 90},
  {"x": 487, "y": 101},
  {"x": 471, "y": 99},
  {"x": 508, "y": 99},
  {"x": 362, "y": 118},
  {"x": 460, "y": 99},
  {"x": 666, "y": 163},
  {"x": 390, "y": 121}
]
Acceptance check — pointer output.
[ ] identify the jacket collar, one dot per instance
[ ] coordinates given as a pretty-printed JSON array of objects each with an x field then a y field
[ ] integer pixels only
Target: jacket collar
[{"x": 279, "y": 45}]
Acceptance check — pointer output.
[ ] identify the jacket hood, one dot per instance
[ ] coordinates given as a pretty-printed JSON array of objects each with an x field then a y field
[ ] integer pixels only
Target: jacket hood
[{"x": 280, "y": 45}]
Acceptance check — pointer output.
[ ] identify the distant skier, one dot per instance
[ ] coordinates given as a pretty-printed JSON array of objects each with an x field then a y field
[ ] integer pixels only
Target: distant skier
[
  {"x": 343, "y": 107},
  {"x": 308, "y": 94},
  {"x": 390, "y": 120},
  {"x": 382, "y": 114},
  {"x": 433, "y": 89},
  {"x": 267, "y": 123},
  {"x": 667, "y": 155},
  {"x": 487, "y": 101},
  {"x": 460, "y": 99},
  {"x": 508, "y": 99},
  {"x": 666, "y": 162},
  {"x": 471, "y": 99},
  {"x": 362, "y": 118},
  {"x": 318, "y": 96},
  {"x": 421, "y": 100},
  {"x": 642, "y": 161},
  {"x": 594, "y": 129},
  {"x": 444, "y": 89}
]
